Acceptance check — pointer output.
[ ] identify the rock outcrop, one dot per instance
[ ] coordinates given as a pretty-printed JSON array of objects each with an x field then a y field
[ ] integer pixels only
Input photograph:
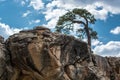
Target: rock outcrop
[
  {"x": 3, "y": 60},
  {"x": 39, "y": 54}
]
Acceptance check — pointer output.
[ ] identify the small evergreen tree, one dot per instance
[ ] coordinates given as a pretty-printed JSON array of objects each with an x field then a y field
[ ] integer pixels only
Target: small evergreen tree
[{"x": 66, "y": 23}]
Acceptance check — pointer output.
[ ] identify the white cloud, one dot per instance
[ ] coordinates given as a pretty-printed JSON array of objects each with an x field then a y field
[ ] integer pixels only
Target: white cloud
[
  {"x": 99, "y": 14},
  {"x": 52, "y": 16},
  {"x": 115, "y": 30},
  {"x": 26, "y": 13},
  {"x": 0, "y": 19},
  {"x": 22, "y": 3},
  {"x": 34, "y": 21},
  {"x": 112, "y": 48},
  {"x": 37, "y": 21},
  {"x": 36, "y": 4},
  {"x": 56, "y": 7},
  {"x": 51, "y": 23},
  {"x": 6, "y": 31},
  {"x": 96, "y": 42}
]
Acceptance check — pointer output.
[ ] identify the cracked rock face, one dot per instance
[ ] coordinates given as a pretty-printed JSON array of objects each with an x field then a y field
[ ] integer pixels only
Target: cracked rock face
[
  {"x": 2, "y": 60},
  {"x": 39, "y": 54}
]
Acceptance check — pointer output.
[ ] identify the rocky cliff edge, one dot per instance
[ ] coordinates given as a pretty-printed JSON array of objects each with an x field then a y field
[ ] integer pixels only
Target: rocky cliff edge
[{"x": 39, "y": 54}]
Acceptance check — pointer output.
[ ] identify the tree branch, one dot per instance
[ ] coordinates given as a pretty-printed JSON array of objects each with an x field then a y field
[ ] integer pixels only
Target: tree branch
[{"x": 80, "y": 22}]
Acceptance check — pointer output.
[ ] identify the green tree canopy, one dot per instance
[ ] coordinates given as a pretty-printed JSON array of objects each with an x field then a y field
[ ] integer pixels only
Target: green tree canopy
[{"x": 66, "y": 23}]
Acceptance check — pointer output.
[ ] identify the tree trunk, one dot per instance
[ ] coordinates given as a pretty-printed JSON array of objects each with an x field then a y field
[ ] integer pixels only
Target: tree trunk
[
  {"x": 86, "y": 30},
  {"x": 88, "y": 41},
  {"x": 88, "y": 36}
]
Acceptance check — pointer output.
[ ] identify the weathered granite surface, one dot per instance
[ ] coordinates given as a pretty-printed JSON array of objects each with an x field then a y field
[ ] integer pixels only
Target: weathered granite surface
[{"x": 39, "y": 54}]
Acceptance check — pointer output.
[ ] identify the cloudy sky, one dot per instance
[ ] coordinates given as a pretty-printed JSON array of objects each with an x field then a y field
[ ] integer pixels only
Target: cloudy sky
[{"x": 16, "y": 15}]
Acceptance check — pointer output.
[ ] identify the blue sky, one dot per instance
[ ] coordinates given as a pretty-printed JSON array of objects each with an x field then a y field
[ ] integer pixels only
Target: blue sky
[{"x": 16, "y": 15}]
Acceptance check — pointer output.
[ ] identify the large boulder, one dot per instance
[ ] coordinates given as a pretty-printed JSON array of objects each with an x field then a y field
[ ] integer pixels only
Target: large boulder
[{"x": 39, "y": 54}]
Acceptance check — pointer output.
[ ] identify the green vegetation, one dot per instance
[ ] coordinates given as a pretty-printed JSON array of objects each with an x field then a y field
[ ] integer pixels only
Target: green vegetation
[{"x": 66, "y": 23}]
